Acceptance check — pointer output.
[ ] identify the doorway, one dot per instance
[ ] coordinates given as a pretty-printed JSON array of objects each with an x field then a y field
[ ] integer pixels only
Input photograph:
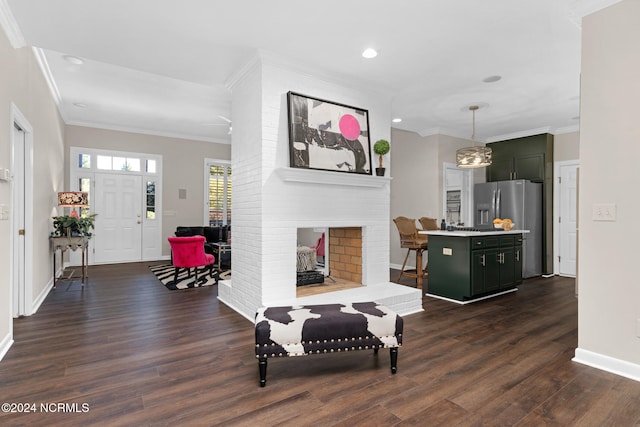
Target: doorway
[
  {"x": 457, "y": 195},
  {"x": 125, "y": 191},
  {"x": 22, "y": 213},
  {"x": 118, "y": 225}
]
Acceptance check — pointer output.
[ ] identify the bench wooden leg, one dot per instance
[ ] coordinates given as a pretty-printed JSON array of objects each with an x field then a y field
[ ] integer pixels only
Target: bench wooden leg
[
  {"x": 393, "y": 355},
  {"x": 262, "y": 367}
]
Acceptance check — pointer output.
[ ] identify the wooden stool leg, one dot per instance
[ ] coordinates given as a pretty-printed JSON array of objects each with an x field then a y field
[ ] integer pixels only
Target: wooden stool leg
[
  {"x": 419, "y": 268},
  {"x": 403, "y": 264},
  {"x": 393, "y": 354},
  {"x": 262, "y": 367}
]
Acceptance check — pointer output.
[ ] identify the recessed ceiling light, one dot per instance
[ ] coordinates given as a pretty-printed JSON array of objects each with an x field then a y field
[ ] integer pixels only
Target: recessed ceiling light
[
  {"x": 73, "y": 59},
  {"x": 491, "y": 79},
  {"x": 80, "y": 105},
  {"x": 397, "y": 120},
  {"x": 369, "y": 53}
]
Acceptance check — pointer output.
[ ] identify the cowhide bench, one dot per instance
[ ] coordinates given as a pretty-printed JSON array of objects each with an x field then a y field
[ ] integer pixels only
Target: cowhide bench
[{"x": 313, "y": 329}]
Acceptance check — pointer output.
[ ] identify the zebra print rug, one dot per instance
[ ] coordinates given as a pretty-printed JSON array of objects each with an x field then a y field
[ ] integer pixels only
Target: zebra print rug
[{"x": 165, "y": 273}]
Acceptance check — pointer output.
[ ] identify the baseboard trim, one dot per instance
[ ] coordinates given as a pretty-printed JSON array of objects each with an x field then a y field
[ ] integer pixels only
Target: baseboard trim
[
  {"x": 607, "y": 363},
  {"x": 6, "y": 344},
  {"x": 40, "y": 299},
  {"x": 472, "y": 300},
  {"x": 236, "y": 309}
]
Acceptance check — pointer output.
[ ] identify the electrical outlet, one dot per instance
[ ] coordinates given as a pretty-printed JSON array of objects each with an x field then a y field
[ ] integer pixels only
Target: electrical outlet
[
  {"x": 447, "y": 251},
  {"x": 604, "y": 212},
  {"x": 638, "y": 328}
]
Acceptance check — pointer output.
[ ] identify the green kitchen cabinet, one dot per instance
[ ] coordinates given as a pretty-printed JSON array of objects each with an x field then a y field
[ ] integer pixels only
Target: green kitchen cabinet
[
  {"x": 518, "y": 260},
  {"x": 521, "y": 158},
  {"x": 529, "y": 158},
  {"x": 466, "y": 266}
]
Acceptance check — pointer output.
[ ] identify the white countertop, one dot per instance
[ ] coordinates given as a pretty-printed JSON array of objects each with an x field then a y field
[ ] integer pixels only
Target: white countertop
[{"x": 470, "y": 233}]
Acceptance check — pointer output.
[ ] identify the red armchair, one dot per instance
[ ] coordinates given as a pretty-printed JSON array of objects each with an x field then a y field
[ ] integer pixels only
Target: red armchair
[
  {"x": 188, "y": 252},
  {"x": 319, "y": 247}
]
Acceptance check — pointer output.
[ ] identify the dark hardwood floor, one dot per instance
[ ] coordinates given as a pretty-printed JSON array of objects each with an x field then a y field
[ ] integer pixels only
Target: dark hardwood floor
[{"x": 135, "y": 353}]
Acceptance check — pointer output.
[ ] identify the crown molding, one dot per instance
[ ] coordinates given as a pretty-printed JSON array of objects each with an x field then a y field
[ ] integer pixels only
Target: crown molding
[
  {"x": 132, "y": 129},
  {"x": 10, "y": 26},
  {"x": 430, "y": 132},
  {"x": 520, "y": 134},
  {"x": 41, "y": 58},
  {"x": 530, "y": 132},
  {"x": 252, "y": 64},
  {"x": 566, "y": 129}
]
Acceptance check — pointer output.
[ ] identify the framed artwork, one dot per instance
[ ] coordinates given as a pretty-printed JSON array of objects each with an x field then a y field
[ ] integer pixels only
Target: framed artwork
[{"x": 328, "y": 136}]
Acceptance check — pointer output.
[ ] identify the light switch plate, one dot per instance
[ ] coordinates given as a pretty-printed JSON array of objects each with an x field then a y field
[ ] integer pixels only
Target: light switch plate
[{"x": 604, "y": 212}]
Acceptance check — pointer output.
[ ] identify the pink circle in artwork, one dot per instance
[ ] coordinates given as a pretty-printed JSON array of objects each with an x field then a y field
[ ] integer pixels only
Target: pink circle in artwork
[{"x": 349, "y": 127}]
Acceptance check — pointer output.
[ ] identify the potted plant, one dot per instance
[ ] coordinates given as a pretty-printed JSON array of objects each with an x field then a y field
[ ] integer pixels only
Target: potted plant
[
  {"x": 67, "y": 225},
  {"x": 381, "y": 147}
]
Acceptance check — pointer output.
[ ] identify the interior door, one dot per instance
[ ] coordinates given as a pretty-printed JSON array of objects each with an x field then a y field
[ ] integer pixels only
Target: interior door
[
  {"x": 568, "y": 243},
  {"x": 19, "y": 190},
  {"x": 118, "y": 226}
]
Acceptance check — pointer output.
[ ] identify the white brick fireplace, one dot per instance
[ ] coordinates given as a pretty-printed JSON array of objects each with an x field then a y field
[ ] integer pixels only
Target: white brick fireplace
[{"x": 271, "y": 201}]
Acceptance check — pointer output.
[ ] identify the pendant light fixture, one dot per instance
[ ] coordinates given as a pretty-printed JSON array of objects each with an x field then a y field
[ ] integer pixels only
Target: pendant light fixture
[{"x": 473, "y": 157}]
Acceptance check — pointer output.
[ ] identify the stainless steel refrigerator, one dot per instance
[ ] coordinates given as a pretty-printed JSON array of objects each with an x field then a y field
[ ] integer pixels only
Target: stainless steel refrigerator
[{"x": 521, "y": 201}]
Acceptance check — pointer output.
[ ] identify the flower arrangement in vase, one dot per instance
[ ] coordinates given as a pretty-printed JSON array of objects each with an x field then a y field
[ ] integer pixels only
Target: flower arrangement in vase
[{"x": 68, "y": 225}]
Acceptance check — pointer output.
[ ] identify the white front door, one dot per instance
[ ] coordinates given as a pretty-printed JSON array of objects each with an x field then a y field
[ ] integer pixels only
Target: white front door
[
  {"x": 118, "y": 226},
  {"x": 568, "y": 221}
]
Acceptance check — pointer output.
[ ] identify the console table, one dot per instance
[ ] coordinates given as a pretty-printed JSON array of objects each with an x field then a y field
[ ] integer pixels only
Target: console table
[{"x": 63, "y": 243}]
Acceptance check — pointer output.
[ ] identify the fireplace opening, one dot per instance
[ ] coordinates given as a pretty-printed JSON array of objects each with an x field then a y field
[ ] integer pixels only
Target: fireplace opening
[{"x": 337, "y": 256}]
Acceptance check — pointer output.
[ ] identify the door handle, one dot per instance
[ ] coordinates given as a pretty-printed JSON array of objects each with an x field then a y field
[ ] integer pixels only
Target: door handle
[
  {"x": 483, "y": 260},
  {"x": 517, "y": 255},
  {"x": 494, "y": 206}
]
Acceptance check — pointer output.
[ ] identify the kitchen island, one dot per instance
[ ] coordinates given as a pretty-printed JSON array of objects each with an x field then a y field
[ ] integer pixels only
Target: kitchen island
[{"x": 467, "y": 266}]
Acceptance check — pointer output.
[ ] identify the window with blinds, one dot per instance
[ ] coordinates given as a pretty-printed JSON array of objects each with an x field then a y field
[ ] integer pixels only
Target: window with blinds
[{"x": 219, "y": 194}]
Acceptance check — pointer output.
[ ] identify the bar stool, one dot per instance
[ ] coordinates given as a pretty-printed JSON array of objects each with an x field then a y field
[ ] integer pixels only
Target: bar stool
[
  {"x": 428, "y": 223},
  {"x": 410, "y": 240}
]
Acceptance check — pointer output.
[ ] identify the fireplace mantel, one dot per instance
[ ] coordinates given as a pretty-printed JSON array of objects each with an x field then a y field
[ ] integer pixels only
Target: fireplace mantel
[{"x": 311, "y": 176}]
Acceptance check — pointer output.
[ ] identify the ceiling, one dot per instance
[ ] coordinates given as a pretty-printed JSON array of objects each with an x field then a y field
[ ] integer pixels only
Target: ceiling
[{"x": 161, "y": 67}]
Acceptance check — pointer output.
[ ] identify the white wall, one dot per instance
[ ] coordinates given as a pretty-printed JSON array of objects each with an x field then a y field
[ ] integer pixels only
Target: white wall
[
  {"x": 275, "y": 208},
  {"x": 566, "y": 146},
  {"x": 609, "y": 300},
  {"x": 22, "y": 83}
]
